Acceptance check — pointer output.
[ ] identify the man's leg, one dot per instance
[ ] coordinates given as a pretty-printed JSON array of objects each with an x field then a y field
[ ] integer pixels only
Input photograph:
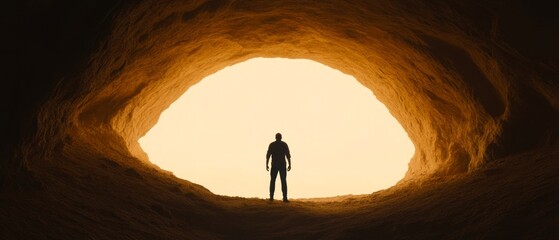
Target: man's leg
[
  {"x": 283, "y": 177},
  {"x": 273, "y": 176}
]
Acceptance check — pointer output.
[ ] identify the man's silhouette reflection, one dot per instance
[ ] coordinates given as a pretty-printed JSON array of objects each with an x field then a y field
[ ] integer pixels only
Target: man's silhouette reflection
[{"x": 278, "y": 150}]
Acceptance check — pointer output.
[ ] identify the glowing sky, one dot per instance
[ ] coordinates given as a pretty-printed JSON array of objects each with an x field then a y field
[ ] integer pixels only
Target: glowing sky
[{"x": 342, "y": 139}]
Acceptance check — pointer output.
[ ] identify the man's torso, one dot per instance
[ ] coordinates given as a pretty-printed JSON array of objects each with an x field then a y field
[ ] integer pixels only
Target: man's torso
[{"x": 278, "y": 150}]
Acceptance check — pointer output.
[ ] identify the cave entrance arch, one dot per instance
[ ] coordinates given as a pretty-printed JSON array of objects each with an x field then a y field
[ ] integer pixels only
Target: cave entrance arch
[
  {"x": 445, "y": 89},
  {"x": 343, "y": 140}
]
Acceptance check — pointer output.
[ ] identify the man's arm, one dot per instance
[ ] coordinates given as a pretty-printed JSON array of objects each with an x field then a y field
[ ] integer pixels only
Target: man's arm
[
  {"x": 268, "y": 154},
  {"x": 288, "y": 155}
]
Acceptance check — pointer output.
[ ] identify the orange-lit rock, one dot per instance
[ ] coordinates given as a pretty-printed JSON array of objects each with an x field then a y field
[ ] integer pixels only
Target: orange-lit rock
[{"x": 473, "y": 84}]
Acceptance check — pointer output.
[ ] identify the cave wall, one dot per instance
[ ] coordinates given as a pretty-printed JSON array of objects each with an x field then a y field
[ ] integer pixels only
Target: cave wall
[
  {"x": 45, "y": 43},
  {"x": 468, "y": 81}
]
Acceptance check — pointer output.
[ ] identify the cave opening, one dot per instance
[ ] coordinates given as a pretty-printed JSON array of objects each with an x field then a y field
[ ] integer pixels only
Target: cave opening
[
  {"x": 342, "y": 139},
  {"x": 430, "y": 81}
]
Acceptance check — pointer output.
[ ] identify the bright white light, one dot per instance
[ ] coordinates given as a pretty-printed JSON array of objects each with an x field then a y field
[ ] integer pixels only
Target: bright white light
[{"x": 342, "y": 140}]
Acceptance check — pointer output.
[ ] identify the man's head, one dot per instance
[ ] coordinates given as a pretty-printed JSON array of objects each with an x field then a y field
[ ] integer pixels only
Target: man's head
[{"x": 278, "y": 136}]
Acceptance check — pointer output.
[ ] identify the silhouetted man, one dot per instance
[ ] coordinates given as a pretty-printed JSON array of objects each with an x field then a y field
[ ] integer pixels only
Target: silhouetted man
[{"x": 278, "y": 150}]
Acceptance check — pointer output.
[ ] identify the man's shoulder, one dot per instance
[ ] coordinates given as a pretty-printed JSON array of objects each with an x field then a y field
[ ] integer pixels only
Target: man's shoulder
[{"x": 278, "y": 143}]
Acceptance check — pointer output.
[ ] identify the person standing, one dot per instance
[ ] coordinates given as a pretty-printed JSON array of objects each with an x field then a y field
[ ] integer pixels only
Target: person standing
[{"x": 278, "y": 150}]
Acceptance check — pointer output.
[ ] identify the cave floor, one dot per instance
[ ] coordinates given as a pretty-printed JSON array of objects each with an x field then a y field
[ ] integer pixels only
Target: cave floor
[{"x": 84, "y": 198}]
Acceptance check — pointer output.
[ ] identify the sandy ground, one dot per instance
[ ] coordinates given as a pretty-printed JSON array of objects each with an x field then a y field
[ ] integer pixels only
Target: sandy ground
[{"x": 512, "y": 198}]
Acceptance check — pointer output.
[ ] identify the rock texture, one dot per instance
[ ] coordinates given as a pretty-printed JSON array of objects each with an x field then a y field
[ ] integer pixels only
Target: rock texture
[{"x": 473, "y": 83}]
